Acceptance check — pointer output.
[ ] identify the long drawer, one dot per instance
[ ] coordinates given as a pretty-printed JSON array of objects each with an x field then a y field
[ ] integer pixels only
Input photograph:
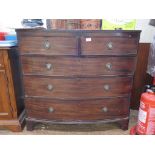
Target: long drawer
[
  {"x": 77, "y": 87},
  {"x": 48, "y": 45},
  {"x": 74, "y": 66},
  {"x": 108, "y": 46},
  {"x": 72, "y": 110}
]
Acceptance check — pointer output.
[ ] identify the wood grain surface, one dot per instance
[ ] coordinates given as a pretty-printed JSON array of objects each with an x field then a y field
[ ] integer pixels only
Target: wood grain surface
[
  {"x": 1, "y": 61},
  {"x": 5, "y": 103},
  {"x": 77, "y": 76},
  {"x": 75, "y": 66},
  {"x": 77, "y": 87},
  {"x": 73, "y": 110},
  {"x": 99, "y": 46},
  {"x": 49, "y": 45}
]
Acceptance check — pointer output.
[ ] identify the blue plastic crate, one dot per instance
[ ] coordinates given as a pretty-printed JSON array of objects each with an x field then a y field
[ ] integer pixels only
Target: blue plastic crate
[{"x": 10, "y": 37}]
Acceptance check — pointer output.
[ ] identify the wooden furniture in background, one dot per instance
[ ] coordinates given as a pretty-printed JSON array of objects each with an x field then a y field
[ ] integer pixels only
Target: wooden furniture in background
[
  {"x": 11, "y": 102},
  {"x": 90, "y": 24},
  {"x": 77, "y": 77},
  {"x": 141, "y": 78},
  {"x": 63, "y": 23},
  {"x": 71, "y": 24}
]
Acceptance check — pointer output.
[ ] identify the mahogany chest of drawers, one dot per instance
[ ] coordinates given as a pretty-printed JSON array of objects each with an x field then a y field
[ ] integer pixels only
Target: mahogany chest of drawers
[{"x": 77, "y": 76}]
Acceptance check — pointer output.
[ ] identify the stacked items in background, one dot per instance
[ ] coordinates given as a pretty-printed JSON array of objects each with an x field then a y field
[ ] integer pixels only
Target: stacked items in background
[
  {"x": 2, "y": 35},
  {"x": 7, "y": 36},
  {"x": 8, "y": 39},
  {"x": 91, "y": 24},
  {"x": 63, "y": 23},
  {"x": 85, "y": 24},
  {"x": 118, "y": 24},
  {"x": 32, "y": 23}
]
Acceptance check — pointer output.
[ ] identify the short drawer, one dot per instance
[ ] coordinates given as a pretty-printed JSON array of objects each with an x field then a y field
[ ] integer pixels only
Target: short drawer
[
  {"x": 74, "y": 88},
  {"x": 1, "y": 60},
  {"x": 108, "y": 46},
  {"x": 48, "y": 45},
  {"x": 73, "y": 110},
  {"x": 75, "y": 66}
]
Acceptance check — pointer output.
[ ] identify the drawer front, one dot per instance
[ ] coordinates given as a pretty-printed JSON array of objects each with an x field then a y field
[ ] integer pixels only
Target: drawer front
[
  {"x": 78, "y": 66},
  {"x": 108, "y": 46},
  {"x": 1, "y": 60},
  {"x": 48, "y": 45},
  {"x": 71, "y": 110},
  {"x": 77, "y": 87}
]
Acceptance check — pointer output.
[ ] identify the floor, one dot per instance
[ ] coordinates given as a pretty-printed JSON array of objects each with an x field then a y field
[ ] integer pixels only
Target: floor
[{"x": 106, "y": 129}]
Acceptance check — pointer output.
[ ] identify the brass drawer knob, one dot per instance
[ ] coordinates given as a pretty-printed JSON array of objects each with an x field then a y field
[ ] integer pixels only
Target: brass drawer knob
[
  {"x": 49, "y": 66},
  {"x": 47, "y": 44},
  {"x": 106, "y": 87},
  {"x": 43, "y": 127},
  {"x": 108, "y": 66},
  {"x": 104, "y": 109},
  {"x": 130, "y": 35},
  {"x": 49, "y": 87},
  {"x": 50, "y": 110},
  {"x": 110, "y": 45},
  {"x": 0, "y": 65}
]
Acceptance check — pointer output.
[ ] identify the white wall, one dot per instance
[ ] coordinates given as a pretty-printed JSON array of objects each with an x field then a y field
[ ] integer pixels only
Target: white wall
[{"x": 148, "y": 31}]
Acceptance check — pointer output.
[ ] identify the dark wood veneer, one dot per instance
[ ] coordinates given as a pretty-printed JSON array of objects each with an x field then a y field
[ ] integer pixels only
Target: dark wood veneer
[
  {"x": 99, "y": 46},
  {"x": 74, "y": 76},
  {"x": 77, "y": 87},
  {"x": 57, "y": 45},
  {"x": 73, "y": 110},
  {"x": 75, "y": 66}
]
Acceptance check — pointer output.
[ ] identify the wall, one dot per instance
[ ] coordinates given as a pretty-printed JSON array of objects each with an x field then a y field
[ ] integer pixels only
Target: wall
[{"x": 148, "y": 31}]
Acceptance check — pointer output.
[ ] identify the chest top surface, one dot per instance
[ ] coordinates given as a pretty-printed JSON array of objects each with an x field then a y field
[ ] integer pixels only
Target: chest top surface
[{"x": 46, "y": 32}]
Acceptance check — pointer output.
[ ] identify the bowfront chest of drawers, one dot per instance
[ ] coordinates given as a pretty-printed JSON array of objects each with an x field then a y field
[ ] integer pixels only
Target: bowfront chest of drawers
[{"x": 77, "y": 76}]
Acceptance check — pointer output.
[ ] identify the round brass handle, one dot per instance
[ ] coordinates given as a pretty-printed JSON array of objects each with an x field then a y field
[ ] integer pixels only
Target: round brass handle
[
  {"x": 49, "y": 66},
  {"x": 130, "y": 35},
  {"x": 43, "y": 127},
  {"x": 110, "y": 45},
  {"x": 106, "y": 87},
  {"x": 47, "y": 44},
  {"x": 108, "y": 66},
  {"x": 50, "y": 109},
  {"x": 104, "y": 109},
  {"x": 49, "y": 87},
  {"x": 0, "y": 65}
]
